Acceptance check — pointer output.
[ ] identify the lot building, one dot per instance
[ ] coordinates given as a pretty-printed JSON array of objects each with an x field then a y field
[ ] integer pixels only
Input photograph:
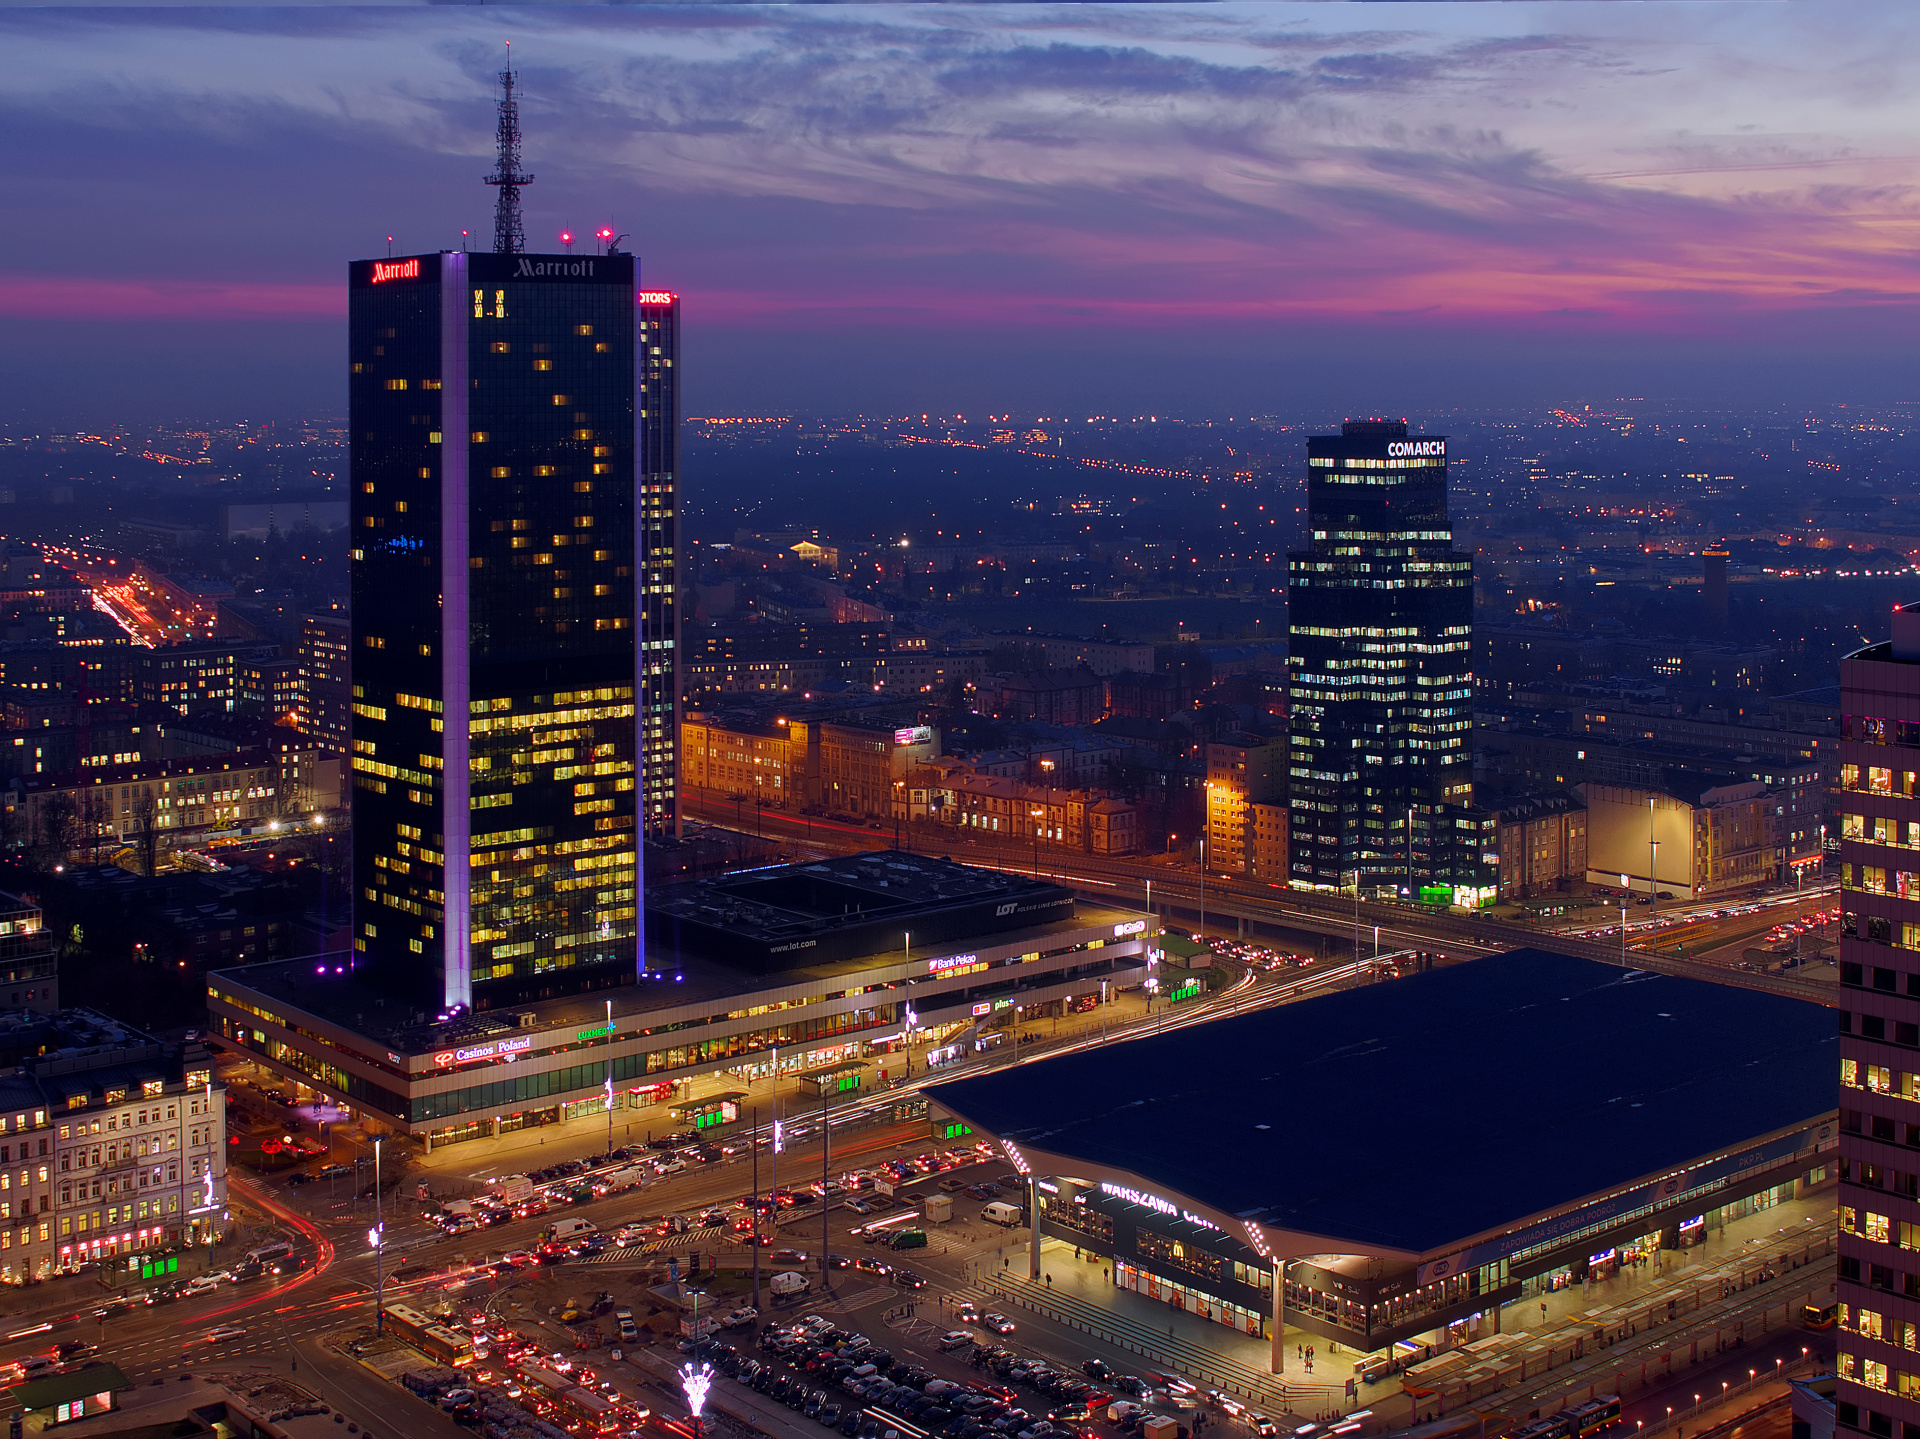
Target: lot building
[{"x": 1655, "y": 1108}]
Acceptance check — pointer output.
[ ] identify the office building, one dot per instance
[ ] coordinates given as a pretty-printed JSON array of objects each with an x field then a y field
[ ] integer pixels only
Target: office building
[
  {"x": 830, "y": 964},
  {"x": 1381, "y": 685},
  {"x": 1879, "y": 1003}
]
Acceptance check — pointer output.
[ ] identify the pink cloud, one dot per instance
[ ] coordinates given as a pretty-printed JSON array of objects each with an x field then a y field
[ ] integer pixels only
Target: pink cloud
[{"x": 100, "y": 297}]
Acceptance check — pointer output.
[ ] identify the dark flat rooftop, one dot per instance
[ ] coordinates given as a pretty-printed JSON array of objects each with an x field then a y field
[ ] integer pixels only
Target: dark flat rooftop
[
  {"x": 1426, "y": 1110},
  {"x": 331, "y": 991}
]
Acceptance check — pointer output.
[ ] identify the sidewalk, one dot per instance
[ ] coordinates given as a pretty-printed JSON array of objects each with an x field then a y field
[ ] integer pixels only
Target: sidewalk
[{"x": 1791, "y": 1220}]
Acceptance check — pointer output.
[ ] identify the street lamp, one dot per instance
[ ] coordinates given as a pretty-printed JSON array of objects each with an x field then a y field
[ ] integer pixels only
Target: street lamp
[
  {"x": 377, "y": 1237},
  {"x": 696, "y": 1380},
  {"x": 1036, "y": 815}
]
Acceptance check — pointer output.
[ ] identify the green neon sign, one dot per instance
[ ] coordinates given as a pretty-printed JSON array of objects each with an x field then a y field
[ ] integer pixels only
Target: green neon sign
[
  {"x": 601, "y": 1033},
  {"x": 1184, "y": 991},
  {"x": 956, "y": 1130}
]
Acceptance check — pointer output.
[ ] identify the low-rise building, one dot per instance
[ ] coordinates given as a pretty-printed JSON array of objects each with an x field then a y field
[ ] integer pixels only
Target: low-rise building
[
  {"x": 1067, "y": 652},
  {"x": 172, "y": 798},
  {"x": 948, "y": 792},
  {"x": 1542, "y": 841},
  {"x": 827, "y": 964},
  {"x": 1243, "y": 770},
  {"x": 743, "y": 755},
  {"x": 29, "y": 967},
  {"x": 1266, "y": 833},
  {"x": 112, "y": 1145},
  {"x": 1693, "y": 835}
]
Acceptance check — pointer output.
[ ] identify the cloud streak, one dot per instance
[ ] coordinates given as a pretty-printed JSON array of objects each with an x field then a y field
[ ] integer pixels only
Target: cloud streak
[{"x": 1636, "y": 169}]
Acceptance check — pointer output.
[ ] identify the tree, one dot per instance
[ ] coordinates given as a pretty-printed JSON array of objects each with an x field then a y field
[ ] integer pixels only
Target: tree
[
  {"x": 56, "y": 826},
  {"x": 146, "y": 830}
]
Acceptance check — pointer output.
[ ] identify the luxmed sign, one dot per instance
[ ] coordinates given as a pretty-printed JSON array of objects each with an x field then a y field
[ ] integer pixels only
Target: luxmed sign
[{"x": 1415, "y": 449}]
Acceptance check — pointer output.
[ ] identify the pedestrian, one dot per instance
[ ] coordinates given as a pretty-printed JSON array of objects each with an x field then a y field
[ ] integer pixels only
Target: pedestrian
[
  {"x": 1049, "y": 1279},
  {"x": 1106, "y": 1274}
]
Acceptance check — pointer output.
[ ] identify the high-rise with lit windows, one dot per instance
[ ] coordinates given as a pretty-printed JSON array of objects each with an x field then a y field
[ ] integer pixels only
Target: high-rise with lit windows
[
  {"x": 1380, "y": 619},
  {"x": 658, "y": 485},
  {"x": 513, "y": 464},
  {"x": 1879, "y": 1003}
]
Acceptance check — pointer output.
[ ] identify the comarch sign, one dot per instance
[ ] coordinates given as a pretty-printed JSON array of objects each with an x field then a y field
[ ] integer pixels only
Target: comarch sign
[{"x": 1415, "y": 449}]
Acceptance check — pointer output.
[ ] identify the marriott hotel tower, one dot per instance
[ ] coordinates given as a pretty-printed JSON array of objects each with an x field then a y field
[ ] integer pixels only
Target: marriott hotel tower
[{"x": 513, "y": 460}]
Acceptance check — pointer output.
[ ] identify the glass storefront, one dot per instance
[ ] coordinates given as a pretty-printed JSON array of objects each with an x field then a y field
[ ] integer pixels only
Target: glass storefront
[{"x": 1186, "y": 1297}]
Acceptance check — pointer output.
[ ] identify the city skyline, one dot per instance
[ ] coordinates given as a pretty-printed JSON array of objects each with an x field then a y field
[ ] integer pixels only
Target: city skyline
[{"x": 1637, "y": 198}]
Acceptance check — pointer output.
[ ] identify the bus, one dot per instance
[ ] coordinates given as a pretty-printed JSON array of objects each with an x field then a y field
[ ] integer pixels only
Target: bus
[
  {"x": 267, "y": 1253},
  {"x": 1582, "y": 1419},
  {"x": 1600, "y": 1412},
  {"x": 449, "y": 1346},
  {"x": 426, "y": 1333},
  {"x": 556, "y": 1398},
  {"x": 1820, "y": 1316}
]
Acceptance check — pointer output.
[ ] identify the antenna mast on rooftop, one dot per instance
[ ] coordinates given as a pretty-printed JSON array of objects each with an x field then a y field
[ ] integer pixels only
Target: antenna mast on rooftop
[{"x": 509, "y": 235}]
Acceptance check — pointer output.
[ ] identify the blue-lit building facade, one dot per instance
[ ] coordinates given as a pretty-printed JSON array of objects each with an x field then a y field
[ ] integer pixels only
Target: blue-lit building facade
[{"x": 512, "y": 553}]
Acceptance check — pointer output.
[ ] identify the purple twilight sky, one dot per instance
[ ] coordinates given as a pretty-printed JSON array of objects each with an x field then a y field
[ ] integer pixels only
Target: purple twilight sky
[{"x": 1117, "y": 208}]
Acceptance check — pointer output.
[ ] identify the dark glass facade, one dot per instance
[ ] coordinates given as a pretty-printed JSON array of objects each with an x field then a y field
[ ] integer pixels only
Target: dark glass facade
[
  {"x": 659, "y": 375},
  {"x": 1380, "y": 617},
  {"x": 495, "y": 517}
]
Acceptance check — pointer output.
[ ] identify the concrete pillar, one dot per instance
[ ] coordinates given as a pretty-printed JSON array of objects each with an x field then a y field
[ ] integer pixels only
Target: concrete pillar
[
  {"x": 496, "y": 1126},
  {"x": 427, "y": 1141},
  {"x": 1033, "y": 1228},
  {"x": 1279, "y": 1316}
]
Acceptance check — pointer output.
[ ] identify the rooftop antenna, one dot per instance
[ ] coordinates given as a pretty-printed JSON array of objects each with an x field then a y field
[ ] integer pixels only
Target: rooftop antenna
[
  {"x": 509, "y": 236},
  {"x": 389, "y": 247}
]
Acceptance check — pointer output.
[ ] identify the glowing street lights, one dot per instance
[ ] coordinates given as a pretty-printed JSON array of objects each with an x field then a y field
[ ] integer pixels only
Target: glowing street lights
[{"x": 696, "y": 1380}]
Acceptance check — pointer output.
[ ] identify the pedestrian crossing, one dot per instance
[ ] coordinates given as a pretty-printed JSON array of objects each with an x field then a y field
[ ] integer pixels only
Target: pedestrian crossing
[{"x": 672, "y": 1244}]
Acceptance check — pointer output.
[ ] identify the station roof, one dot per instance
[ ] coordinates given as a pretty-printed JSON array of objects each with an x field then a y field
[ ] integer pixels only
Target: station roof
[{"x": 1420, "y": 1112}]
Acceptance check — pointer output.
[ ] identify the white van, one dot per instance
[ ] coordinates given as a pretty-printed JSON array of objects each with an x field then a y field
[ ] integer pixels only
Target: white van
[
  {"x": 1003, "y": 1214},
  {"x": 564, "y": 1229}
]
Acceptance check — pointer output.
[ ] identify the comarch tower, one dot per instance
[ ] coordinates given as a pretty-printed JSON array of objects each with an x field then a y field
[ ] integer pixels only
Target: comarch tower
[
  {"x": 1380, "y": 619},
  {"x": 513, "y": 457}
]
